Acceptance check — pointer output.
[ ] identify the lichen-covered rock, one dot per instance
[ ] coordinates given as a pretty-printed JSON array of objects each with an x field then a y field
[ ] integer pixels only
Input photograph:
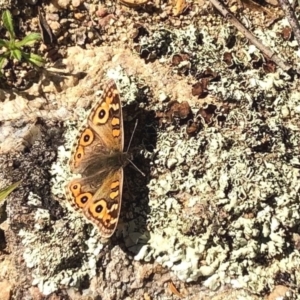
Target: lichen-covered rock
[{"x": 219, "y": 208}]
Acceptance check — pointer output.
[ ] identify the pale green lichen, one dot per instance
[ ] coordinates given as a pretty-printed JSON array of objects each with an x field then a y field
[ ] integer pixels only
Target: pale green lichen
[
  {"x": 56, "y": 259},
  {"x": 231, "y": 172},
  {"x": 223, "y": 204},
  {"x": 230, "y": 176}
]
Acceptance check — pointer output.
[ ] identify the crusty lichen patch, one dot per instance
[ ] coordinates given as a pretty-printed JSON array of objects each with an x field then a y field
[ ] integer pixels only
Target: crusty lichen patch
[
  {"x": 227, "y": 209},
  {"x": 56, "y": 259},
  {"x": 224, "y": 205}
]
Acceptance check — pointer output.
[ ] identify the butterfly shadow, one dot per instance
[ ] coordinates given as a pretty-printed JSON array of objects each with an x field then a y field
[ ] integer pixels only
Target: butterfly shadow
[{"x": 135, "y": 208}]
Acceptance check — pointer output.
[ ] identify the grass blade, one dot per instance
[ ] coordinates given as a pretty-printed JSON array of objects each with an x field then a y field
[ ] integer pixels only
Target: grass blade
[
  {"x": 4, "y": 43},
  {"x": 34, "y": 59},
  {"x": 8, "y": 23},
  {"x": 6, "y": 191},
  {"x": 28, "y": 40},
  {"x": 17, "y": 54}
]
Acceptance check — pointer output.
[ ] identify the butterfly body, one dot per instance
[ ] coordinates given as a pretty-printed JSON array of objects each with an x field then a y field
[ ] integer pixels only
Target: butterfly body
[{"x": 98, "y": 156}]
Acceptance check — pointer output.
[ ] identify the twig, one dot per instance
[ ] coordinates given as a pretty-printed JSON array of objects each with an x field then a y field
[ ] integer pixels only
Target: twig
[
  {"x": 267, "y": 51},
  {"x": 290, "y": 15}
]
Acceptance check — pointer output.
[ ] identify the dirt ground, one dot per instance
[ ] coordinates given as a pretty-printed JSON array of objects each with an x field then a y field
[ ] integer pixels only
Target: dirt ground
[{"x": 216, "y": 214}]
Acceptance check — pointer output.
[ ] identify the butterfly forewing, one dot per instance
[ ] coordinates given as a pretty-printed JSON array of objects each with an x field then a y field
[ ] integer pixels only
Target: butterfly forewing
[{"x": 107, "y": 119}]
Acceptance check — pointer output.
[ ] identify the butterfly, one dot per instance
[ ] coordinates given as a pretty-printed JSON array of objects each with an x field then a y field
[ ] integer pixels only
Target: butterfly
[{"x": 98, "y": 156}]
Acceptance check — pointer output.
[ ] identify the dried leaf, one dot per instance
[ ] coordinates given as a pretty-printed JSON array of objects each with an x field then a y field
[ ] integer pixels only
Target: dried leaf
[
  {"x": 192, "y": 128},
  {"x": 179, "y": 7},
  {"x": 46, "y": 32},
  {"x": 134, "y": 3},
  {"x": 256, "y": 7},
  {"x": 173, "y": 289}
]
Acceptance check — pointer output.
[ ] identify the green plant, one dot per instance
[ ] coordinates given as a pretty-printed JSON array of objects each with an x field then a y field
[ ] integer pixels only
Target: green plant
[
  {"x": 6, "y": 191},
  {"x": 14, "y": 48}
]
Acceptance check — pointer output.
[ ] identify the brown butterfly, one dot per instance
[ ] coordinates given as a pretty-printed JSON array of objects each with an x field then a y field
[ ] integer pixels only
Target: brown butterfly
[{"x": 98, "y": 156}]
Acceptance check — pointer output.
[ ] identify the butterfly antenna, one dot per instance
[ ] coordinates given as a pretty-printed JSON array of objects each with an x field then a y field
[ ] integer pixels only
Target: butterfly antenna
[
  {"x": 135, "y": 125},
  {"x": 131, "y": 162},
  {"x": 142, "y": 173}
]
